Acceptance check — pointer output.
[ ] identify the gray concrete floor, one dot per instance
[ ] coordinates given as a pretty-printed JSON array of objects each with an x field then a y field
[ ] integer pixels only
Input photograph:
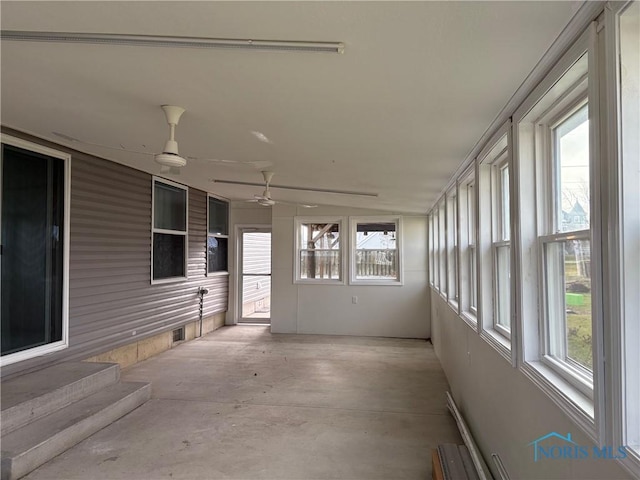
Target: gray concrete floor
[{"x": 242, "y": 403}]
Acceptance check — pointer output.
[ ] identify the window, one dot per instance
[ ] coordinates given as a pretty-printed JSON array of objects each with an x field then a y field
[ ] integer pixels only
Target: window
[
  {"x": 566, "y": 250},
  {"x": 217, "y": 235},
  {"x": 494, "y": 249},
  {"x": 169, "y": 231},
  {"x": 473, "y": 251},
  {"x": 502, "y": 252},
  {"x": 432, "y": 255},
  {"x": 467, "y": 247},
  {"x": 452, "y": 246},
  {"x": 436, "y": 248},
  {"x": 442, "y": 246},
  {"x": 319, "y": 251},
  {"x": 375, "y": 253},
  {"x": 560, "y": 295}
]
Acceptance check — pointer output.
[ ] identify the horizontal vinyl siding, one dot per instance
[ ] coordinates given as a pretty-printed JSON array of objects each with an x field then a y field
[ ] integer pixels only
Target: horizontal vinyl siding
[{"x": 111, "y": 299}]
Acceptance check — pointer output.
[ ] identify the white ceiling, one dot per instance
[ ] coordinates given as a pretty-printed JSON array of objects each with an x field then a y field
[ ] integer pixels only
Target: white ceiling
[{"x": 396, "y": 114}]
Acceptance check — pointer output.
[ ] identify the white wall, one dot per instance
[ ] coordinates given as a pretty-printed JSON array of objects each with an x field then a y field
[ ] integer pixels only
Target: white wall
[
  {"x": 241, "y": 213},
  {"x": 390, "y": 311},
  {"x": 504, "y": 410}
]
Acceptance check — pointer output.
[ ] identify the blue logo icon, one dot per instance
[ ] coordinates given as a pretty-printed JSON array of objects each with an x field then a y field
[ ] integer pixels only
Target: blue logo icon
[{"x": 554, "y": 446}]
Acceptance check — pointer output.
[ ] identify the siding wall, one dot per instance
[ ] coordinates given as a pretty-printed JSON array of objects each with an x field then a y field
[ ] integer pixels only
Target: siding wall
[{"x": 111, "y": 299}]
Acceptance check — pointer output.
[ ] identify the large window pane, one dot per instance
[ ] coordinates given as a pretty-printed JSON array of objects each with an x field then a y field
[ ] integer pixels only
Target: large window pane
[
  {"x": 168, "y": 256},
  {"x": 320, "y": 254},
  {"x": 505, "y": 227},
  {"x": 217, "y": 254},
  {"x": 571, "y": 143},
  {"x": 218, "y": 217},
  {"x": 503, "y": 287},
  {"x": 568, "y": 281},
  {"x": 376, "y": 251},
  {"x": 170, "y": 207}
]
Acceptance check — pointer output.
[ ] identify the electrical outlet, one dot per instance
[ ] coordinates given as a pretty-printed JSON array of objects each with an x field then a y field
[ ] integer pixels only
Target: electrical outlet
[{"x": 354, "y": 300}]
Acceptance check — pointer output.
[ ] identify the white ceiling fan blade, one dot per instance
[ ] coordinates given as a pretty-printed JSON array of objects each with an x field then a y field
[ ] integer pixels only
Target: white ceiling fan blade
[
  {"x": 258, "y": 164},
  {"x": 121, "y": 148},
  {"x": 303, "y": 205},
  {"x": 306, "y": 189}
]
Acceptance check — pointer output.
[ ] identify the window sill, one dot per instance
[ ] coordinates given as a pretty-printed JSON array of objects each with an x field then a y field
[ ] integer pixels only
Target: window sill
[
  {"x": 160, "y": 281},
  {"x": 389, "y": 282},
  {"x": 455, "y": 306},
  {"x": 575, "y": 404},
  {"x": 470, "y": 319},
  {"x": 217, "y": 274},
  {"x": 499, "y": 342},
  {"x": 326, "y": 281}
]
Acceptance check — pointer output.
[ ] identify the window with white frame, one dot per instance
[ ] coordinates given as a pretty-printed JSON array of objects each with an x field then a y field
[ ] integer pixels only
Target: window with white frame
[
  {"x": 432, "y": 258},
  {"x": 556, "y": 160},
  {"x": 375, "y": 251},
  {"x": 468, "y": 246},
  {"x": 319, "y": 250},
  {"x": 217, "y": 235},
  {"x": 452, "y": 245},
  {"x": 495, "y": 248},
  {"x": 170, "y": 205},
  {"x": 442, "y": 246},
  {"x": 502, "y": 250},
  {"x": 436, "y": 248}
]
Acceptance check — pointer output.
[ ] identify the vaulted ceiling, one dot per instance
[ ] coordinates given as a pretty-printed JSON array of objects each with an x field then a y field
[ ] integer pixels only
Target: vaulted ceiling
[{"x": 395, "y": 114}]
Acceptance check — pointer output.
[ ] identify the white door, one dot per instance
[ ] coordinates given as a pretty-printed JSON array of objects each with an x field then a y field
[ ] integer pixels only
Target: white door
[{"x": 254, "y": 302}]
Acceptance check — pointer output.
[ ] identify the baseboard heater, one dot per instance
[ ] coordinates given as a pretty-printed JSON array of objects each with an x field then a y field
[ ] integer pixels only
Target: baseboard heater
[{"x": 459, "y": 462}]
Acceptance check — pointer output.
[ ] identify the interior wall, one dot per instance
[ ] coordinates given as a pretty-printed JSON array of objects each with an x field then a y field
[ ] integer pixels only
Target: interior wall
[
  {"x": 389, "y": 311},
  {"x": 241, "y": 213},
  {"x": 504, "y": 410}
]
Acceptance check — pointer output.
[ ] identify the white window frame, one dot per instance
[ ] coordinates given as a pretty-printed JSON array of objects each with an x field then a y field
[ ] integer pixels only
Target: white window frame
[
  {"x": 529, "y": 177},
  {"x": 467, "y": 223},
  {"x": 63, "y": 343},
  {"x": 353, "y": 224},
  {"x": 344, "y": 242},
  {"x": 184, "y": 233},
  {"x": 216, "y": 235},
  {"x": 492, "y": 160},
  {"x": 442, "y": 247},
  {"x": 436, "y": 248},
  {"x": 453, "y": 287},
  {"x": 432, "y": 256}
]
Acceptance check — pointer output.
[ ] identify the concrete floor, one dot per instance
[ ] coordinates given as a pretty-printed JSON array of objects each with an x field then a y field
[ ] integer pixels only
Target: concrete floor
[{"x": 241, "y": 403}]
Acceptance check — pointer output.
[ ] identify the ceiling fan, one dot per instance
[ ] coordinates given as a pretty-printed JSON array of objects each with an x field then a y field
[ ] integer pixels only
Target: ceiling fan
[
  {"x": 169, "y": 158},
  {"x": 265, "y": 199}
]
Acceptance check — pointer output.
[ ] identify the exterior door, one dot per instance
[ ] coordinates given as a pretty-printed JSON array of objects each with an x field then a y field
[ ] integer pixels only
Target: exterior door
[
  {"x": 34, "y": 237},
  {"x": 255, "y": 275}
]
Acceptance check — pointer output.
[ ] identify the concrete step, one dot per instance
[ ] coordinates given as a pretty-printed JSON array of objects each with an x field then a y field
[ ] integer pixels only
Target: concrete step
[
  {"x": 29, "y": 397},
  {"x": 27, "y": 448}
]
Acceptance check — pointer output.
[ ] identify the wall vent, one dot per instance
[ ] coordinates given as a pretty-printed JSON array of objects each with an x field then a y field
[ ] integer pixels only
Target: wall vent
[{"x": 178, "y": 335}]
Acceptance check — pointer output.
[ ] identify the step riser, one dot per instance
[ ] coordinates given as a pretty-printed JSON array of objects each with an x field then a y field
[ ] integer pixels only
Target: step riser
[
  {"x": 31, "y": 410},
  {"x": 16, "y": 467}
]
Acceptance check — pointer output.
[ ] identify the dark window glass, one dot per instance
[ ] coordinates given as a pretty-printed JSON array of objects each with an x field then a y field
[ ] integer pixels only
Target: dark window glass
[
  {"x": 218, "y": 217},
  {"x": 217, "y": 254},
  {"x": 32, "y": 249},
  {"x": 170, "y": 207},
  {"x": 168, "y": 256}
]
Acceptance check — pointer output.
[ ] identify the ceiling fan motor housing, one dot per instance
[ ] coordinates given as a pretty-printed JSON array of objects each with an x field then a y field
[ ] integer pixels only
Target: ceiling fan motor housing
[{"x": 169, "y": 159}]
